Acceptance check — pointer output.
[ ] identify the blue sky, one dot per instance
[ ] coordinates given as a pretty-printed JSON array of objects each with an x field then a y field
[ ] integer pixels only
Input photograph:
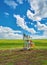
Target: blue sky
[{"x": 23, "y": 16}]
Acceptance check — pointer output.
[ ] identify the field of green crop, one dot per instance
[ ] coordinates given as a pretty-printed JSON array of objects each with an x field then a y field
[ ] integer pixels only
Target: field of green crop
[
  {"x": 13, "y": 44},
  {"x": 41, "y": 43}
]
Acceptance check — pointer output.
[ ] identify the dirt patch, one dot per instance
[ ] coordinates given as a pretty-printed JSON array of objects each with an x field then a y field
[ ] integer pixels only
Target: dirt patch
[{"x": 23, "y": 57}]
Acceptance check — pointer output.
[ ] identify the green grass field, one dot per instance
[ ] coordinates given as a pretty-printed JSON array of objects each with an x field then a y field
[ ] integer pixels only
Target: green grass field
[{"x": 13, "y": 44}]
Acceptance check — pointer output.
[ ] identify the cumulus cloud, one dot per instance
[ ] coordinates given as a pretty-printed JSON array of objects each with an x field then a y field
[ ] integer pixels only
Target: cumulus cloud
[
  {"x": 41, "y": 26},
  {"x": 43, "y": 36},
  {"x": 39, "y": 36},
  {"x": 8, "y": 33},
  {"x": 21, "y": 22},
  {"x": 11, "y": 3},
  {"x": 32, "y": 16},
  {"x": 40, "y": 8}
]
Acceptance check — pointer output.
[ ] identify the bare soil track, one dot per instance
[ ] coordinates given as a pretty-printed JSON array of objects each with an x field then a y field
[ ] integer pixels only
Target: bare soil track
[{"x": 23, "y": 57}]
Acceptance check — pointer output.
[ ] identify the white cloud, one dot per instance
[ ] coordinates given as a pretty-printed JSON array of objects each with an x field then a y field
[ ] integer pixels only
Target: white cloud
[
  {"x": 21, "y": 22},
  {"x": 8, "y": 33},
  {"x": 41, "y": 26},
  {"x": 39, "y": 37},
  {"x": 10, "y": 3},
  {"x": 32, "y": 16},
  {"x": 43, "y": 36},
  {"x": 40, "y": 8},
  {"x": 20, "y": 1},
  {"x": 6, "y": 13},
  {"x": 14, "y": 36}
]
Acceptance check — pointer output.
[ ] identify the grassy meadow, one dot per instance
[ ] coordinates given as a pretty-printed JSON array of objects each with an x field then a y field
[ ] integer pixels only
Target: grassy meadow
[{"x": 13, "y": 44}]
